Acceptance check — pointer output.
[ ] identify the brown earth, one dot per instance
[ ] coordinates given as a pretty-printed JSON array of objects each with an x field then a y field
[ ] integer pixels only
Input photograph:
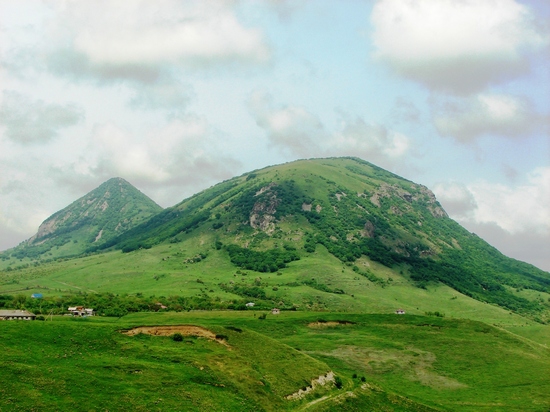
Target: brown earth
[{"x": 185, "y": 330}]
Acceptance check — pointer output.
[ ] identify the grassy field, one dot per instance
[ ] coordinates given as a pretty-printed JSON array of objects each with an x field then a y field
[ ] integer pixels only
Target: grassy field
[
  {"x": 383, "y": 362},
  {"x": 165, "y": 271}
]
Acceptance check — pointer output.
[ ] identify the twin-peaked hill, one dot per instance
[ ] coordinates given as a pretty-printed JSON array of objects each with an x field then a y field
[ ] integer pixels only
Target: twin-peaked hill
[
  {"x": 331, "y": 224},
  {"x": 103, "y": 214}
]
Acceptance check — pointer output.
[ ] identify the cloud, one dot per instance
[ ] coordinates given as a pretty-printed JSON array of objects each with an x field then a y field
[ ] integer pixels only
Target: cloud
[
  {"x": 141, "y": 40},
  {"x": 515, "y": 219},
  {"x": 167, "y": 94},
  {"x": 300, "y": 133},
  {"x": 458, "y": 201},
  {"x": 515, "y": 209},
  {"x": 456, "y": 46},
  {"x": 169, "y": 162},
  {"x": 34, "y": 121},
  {"x": 23, "y": 205},
  {"x": 291, "y": 129},
  {"x": 466, "y": 119},
  {"x": 370, "y": 141}
]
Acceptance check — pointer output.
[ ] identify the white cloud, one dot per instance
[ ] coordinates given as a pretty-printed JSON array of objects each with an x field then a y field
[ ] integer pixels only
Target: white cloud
[
  {"x": 370, "y": 141},
  {"x": 468, "y": 118},
  {"x": 297, "y": 131},
  {"x": 164, "y": 94},
  {"x": 292, "y": 129},
  {"x": 34, "y": 121},
  {"x": 514, "y": 219},
  {"x": 169, "y": 162},
  {"x": 139, "y": 39},
  {"x": 457, "y": 46},
  {"x": 515, "y": 209},
  {"x": 457, "y": 200}
]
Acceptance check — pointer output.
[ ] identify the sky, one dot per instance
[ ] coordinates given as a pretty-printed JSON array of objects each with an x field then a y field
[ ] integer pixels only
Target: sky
[{"x": 176, "y": 96}]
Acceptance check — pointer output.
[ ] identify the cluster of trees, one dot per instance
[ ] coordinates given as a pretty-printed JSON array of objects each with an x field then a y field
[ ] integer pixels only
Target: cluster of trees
[
  {"x": 245, "y": 290},
  {"x": 109, "y": 304},
  {"x": 313, "y": 283},
  {"x": 269, "y": 261}
]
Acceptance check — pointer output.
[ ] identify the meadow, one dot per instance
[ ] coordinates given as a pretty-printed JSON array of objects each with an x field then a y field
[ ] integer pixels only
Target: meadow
[{"x": 380, "y": 362}]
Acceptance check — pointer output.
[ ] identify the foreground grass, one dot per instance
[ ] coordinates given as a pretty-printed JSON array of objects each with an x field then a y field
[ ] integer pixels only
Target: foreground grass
[{"x": 385, "y": 362}]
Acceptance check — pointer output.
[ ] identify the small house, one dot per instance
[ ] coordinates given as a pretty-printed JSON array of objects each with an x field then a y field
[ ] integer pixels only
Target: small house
[
  {"x": 250, "y": 305},
  {"x": 80, "y": 311},
  {"x": 275, "y": 311},
  {"x": 400, "y": 312},
  {"x": 16, "y": 315},
  {"x": 37, "y": 296}
]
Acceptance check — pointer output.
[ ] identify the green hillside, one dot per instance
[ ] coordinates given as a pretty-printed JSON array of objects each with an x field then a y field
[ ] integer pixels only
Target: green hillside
[
  {"x": 103, "y": 214},
  {"x": 267, "y": 218},
  {"x": 337, "y": 244},
  {"x": 365, "y": 362},
  {"x": 323, "y": 234}
]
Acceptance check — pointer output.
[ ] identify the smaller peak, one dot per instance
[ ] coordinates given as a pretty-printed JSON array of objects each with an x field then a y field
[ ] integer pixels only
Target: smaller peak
[{"x": 116, "y": 180}]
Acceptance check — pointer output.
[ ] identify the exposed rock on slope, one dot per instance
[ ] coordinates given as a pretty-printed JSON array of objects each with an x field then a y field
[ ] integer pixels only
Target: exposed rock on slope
[{"x": 101, "y": 215}]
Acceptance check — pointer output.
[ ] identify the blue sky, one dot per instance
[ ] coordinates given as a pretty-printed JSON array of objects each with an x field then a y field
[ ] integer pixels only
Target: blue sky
[{"x": 175, "y": 96}]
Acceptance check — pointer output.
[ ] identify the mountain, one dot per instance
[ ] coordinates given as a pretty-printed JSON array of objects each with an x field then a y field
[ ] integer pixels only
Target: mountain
[
  {"x": 331, "y": 234},
  {"x": 103, "y": 214},
  {"x": 358, "y": 212}
]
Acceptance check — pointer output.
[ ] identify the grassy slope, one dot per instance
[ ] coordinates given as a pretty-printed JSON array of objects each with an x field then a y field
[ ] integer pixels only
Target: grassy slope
[
  {"x": 410, "y": 363},
  {"x": 161, "y": 271}
]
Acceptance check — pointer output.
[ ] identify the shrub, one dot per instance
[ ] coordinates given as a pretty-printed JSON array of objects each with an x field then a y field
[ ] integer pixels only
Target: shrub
[
  {"x": 177, "y": 337},
  {"x": 338, "y": 382},
  {"x": 239, "y": 330}
]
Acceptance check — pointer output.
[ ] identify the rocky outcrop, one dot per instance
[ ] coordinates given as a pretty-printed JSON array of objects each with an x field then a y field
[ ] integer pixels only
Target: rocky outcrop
[
  {"x": 421, "y": 194},
  {"x": 262, "y": 215}
]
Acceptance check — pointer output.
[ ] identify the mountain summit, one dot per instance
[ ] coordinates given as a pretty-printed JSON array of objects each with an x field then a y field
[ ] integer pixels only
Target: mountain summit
[{"x": 104, "y": 213}]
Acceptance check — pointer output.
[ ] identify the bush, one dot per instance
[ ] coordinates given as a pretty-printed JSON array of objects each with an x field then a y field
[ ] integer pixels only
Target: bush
[
  {"x": 338, "y": 382},
  {"x": 239, "y": 330},
  {"x": 177, "y": 337}
]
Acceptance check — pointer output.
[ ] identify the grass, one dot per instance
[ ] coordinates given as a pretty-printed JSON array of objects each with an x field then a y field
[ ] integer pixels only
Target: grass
[
  {"x": 162, "y": 271},
  {"x": 409, "y": 363},
  {"x": 474, "y": 357}
]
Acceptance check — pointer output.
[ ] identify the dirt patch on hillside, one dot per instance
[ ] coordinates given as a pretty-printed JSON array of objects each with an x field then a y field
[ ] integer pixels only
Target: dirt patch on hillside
[
  {"x": 331, "y": 324},
  {"x": 185, "y": 330}
]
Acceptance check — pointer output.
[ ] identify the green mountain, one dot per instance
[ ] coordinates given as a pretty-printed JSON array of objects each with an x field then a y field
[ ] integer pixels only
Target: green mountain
[
  {"x": 327, "y": 234},
  {"x": 96, "y": 218},
  {"x": 268, "y": 218}
]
